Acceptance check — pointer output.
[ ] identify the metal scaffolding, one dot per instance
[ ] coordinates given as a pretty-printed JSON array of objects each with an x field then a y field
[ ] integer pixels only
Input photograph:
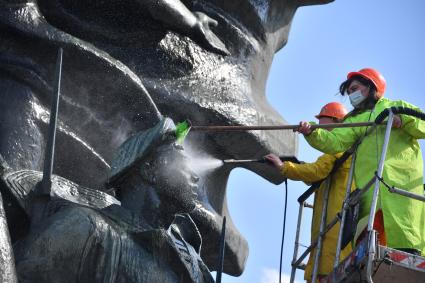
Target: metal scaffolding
[{"x": 365, "y": 262}]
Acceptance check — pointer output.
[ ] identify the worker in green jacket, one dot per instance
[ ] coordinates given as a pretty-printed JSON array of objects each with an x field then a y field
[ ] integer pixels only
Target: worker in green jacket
[{"x": 402, "y": 218}]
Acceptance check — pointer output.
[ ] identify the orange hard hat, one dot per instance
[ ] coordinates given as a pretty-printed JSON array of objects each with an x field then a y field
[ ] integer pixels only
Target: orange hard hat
[
  {"x": 333, "y": 110},
  {"x": 374, "y": 76}
]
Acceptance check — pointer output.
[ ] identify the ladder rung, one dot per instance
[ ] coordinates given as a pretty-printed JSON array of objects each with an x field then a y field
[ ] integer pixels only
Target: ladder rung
[{"x": 308, "y": 205}]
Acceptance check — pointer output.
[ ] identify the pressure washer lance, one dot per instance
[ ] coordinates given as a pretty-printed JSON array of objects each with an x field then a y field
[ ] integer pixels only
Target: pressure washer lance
[
  {"x": 261, "y": 160},
  {"x": 183, "y": 128},
  {"x": 279, "y": 127}
]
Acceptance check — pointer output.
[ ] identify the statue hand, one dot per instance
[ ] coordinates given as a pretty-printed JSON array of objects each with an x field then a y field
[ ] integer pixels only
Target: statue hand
[{"x": 201, "y": 30}]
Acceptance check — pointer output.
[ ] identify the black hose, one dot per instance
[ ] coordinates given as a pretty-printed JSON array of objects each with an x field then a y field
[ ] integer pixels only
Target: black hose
[
  {"x": 283, "y": 230},
  {"x": 399, "y": 110},
  {"x": 221, "y": 252},
  {"x": 302, "y": 198}
]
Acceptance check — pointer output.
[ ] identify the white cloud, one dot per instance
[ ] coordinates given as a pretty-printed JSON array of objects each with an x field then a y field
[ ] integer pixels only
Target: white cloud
[{"x": 272, "y": 276}]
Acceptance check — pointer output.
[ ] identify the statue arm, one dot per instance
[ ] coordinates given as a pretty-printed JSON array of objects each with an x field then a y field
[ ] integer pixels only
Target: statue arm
[
  {"x": 172, "y": 13},
  {"x": 57, "y": 251},
  {"x": 197, "y": 25}
]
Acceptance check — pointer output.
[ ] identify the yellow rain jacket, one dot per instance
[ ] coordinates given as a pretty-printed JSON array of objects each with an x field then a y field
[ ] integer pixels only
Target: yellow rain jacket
[
  {"x": 404, "y": 218},
  {"x": 313, "y": 172}
]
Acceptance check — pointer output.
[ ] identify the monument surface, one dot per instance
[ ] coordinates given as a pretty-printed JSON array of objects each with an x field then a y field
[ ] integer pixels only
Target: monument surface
[{"x": 126, "y": 65}]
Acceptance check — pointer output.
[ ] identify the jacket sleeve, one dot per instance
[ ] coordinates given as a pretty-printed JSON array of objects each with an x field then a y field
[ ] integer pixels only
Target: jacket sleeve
[
  {"x": 412, "y": 125},
  {"x": 309, "y": 172},
  {"x": 332, "y": 142}
]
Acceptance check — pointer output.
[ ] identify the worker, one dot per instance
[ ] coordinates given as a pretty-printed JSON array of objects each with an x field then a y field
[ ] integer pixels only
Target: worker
[
  {"x": 333, "y": 112},
  {"x": 399, "y": 220}
]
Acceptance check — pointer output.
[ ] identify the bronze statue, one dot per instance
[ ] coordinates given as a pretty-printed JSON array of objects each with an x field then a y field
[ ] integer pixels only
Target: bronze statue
[
  {"x": 206, "y": 61},
  {"x": 84, "y": 235}
]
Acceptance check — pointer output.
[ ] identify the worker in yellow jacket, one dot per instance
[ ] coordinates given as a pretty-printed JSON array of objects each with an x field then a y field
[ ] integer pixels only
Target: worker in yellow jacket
[{"x": 333, "y": 112}]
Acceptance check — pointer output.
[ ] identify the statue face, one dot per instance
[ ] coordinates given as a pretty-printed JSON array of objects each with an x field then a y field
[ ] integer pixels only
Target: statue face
[{"x": 173, "y": 178}]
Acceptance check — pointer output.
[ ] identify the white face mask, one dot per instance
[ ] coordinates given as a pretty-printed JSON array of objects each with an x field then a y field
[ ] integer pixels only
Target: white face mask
[{"x": 356, "y": 98}]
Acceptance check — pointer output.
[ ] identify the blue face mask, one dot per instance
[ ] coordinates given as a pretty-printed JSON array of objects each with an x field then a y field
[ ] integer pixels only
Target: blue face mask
[{"x": 356, "y": 98}]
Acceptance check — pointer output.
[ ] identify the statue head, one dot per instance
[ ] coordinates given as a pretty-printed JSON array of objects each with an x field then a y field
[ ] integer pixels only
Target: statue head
[
  {"x": 211, "y": 70},
  {"x": 152, "y": 173}
]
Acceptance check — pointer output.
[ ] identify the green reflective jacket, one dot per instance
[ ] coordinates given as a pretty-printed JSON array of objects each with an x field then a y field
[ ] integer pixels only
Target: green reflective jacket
[{"x": 404, "y": 218}]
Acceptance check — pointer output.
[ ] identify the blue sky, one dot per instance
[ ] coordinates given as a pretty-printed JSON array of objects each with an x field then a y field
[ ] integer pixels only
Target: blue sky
[{"x": 325, "y": 43}]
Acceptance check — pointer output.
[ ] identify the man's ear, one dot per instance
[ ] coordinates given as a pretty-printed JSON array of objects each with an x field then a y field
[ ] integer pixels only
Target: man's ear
[{"x": 147, "y": 172}]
